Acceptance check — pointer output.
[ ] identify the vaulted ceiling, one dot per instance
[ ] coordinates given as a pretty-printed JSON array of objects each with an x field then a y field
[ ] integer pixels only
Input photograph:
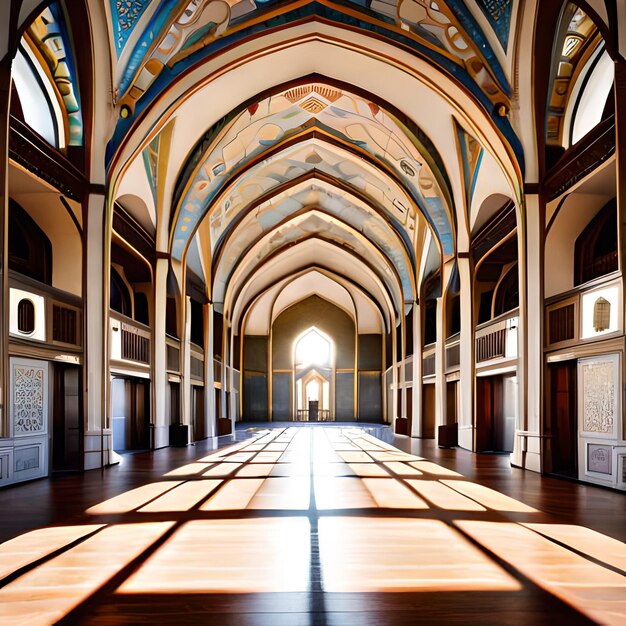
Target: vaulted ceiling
[{"x": 283, "y": 149}]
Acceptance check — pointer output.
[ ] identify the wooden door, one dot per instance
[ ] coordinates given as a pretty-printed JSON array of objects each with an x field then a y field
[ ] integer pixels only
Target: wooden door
[
  {"x": 199, "y": 430},
  {"x": 140, "y": 415},
  {"x": 563, "y": 418},
  {"x": 409, "y": 410},
  {"x": 428, "y": 411},
  {"x": 67, "y": 423}
]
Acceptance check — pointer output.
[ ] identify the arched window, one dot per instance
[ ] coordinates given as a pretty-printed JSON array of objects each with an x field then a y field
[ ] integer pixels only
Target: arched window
[
  {"x": 30, "y": 251},
  {"x": 454, "y": 315},
  {"x": 507, "y": 295},
  {"x": 313, "y": 349},
  {"x": 120, "y": 296},
  {"x": 595, "y": 252},
  {"x": 26, "y": 316},
  {"x": 171, "y": 324}
]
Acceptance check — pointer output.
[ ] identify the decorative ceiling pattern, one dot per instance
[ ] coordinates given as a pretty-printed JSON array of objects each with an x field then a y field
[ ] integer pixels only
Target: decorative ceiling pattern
[
  {"x": 151, "y": 159},
  {"x": 579, "y": 39},
  {"x": 125, "y": 15},
  {"x": 317, "y": 226},
  {"x": 471, "y": 154},
  {"x": 329, "y": 201},
  {"x": 50, "y": 41},
  {"x": 179, "y": 34},
  {"x": 499, "y": 13},
  {"x": 358, "y": 123}
]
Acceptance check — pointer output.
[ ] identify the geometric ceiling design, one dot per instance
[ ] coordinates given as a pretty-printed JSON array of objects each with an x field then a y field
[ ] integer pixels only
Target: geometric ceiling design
[
  {"x": 156, "y": 42},
  {"x": 268, "y": 160},
  {"x": 498, "y": 12},
  {"x": 364, "y": 130},
  {"x": 471, "y": 154},
  {"x": 328, "y": 200}
]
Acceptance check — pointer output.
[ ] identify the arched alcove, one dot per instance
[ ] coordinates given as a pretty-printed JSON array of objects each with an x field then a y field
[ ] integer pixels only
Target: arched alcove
[{"x": 328, "y": 334}]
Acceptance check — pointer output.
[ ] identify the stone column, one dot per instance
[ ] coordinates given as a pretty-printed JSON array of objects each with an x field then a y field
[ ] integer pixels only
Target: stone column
[
  {"x": 527, "y": 444},
  {"x": 394, "y": 377},
  {"x": 96, "y": 270},
  {"x": 185, "y": 373},
  {"x": 5, "y": 103},
  {"x": 467, "y": 367},
  {"x": 620, "y": 150},
  {"x": 159, "y": 364},
  {"x": 440, "y": 364},
  {"x": 416, "y": 426},
  {"x": 209, "y": 373}
]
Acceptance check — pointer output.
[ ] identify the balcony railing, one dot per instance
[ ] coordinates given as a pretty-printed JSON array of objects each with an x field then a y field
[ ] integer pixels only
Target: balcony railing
[{"x": 323, "y": 415}]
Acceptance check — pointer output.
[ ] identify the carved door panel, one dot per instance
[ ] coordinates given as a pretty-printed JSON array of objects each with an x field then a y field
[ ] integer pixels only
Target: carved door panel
[
  {"x": 29, "y": 417},
  {"x": 599, "y": 417}
]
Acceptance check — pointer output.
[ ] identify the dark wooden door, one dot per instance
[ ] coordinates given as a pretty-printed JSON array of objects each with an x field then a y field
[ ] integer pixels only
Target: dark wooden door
[
  {"x": 428, "y": 411},
  {"x": 564, "y": 419},
  {"x": 488, "y": 412},
  {"x": 409, "y": 410},
  {"x": 199, "y": 431},
  {"x": 67, "y": 421},
  {"x": 140, "y": 415}
]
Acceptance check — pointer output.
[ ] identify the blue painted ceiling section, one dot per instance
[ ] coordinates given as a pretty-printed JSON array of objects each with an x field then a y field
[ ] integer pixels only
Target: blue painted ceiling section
[
  {"x": 161, "y": 18},
  {"x": 125, "y": 14},
  {"x": 499, "y": 13}
]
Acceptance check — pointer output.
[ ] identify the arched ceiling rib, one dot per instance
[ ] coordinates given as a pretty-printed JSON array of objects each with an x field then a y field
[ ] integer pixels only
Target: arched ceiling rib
[
  {"x": 314, "y": 170},
  {"x": 313, "y": 252},
  {"x": 426, "y": 97},
  {"x": 317, "y": 189},
  {"x": 259, "y": 312},
  {"x": 360, "y": 125},
  {"x": 336, "y": 211},
  {"x": 305, "y": 231}
]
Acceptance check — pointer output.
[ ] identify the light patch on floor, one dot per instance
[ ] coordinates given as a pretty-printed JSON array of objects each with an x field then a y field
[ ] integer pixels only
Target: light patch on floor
[
  {"x": 47, "y": 593},
  {"x": 133, "y": 499},
  {"x": 592, "y": 589},
  {"x": 229, "y": 556},
  {"x": 406, "y": 555}
]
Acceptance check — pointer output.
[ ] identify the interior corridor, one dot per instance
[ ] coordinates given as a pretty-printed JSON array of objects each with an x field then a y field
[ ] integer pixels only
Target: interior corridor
[{"x": 312, "y": 525}]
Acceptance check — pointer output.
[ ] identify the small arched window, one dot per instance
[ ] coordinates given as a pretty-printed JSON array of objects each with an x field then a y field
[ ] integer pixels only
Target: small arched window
[
  {"x": 430, "y": 322},
  {"x": 26, "y": 316}
]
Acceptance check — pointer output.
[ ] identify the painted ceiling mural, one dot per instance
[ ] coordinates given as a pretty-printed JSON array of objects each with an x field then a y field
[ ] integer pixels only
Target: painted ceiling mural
[
  {"x": 151, "y": 159},
  {"x": 578, "y": 42},
  {"x": 334, "y": 203},
  {"x": 124, "y": 15},
  {"x": 313, "y": 225},
  {"x": 265, "y": 124},
  {"x": 471, "y": 153},
  {"x": 50, "y": 40},
  {"x": 177, "y": 34},
  {"x": 499, "y": 13}
]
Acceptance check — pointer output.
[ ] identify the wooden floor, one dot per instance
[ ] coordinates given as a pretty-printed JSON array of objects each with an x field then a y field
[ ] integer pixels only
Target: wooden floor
[{"x": 318, "y": 525}]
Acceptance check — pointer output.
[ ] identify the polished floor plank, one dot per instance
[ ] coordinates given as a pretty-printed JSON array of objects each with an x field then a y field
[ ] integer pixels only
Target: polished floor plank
[{"x": 317, "y": 525}]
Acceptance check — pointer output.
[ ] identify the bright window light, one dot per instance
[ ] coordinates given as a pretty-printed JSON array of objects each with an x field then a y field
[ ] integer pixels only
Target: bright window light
[{"x": 313, "y": 349}]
